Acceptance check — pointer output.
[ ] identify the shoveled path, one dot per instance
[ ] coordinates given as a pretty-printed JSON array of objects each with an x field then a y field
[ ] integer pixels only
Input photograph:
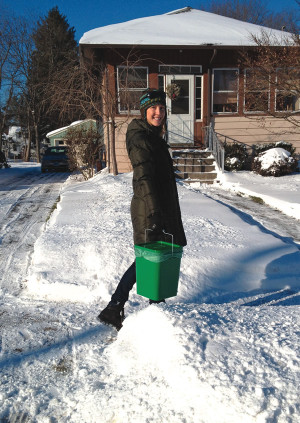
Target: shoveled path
[{"x": 270, "y": 219}]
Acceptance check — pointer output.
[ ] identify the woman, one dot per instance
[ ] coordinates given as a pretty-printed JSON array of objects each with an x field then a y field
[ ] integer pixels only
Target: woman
[{"x": 155, "y": 202}]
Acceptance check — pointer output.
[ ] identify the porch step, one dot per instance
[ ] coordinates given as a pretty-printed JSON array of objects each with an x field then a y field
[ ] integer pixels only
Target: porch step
[{"x": 194, "y": 166}]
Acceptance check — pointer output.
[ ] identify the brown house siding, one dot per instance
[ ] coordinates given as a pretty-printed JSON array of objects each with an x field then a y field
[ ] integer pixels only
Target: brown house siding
[
  {"x": 257, "y": 131},
  {"x": 123, "y": 161}
]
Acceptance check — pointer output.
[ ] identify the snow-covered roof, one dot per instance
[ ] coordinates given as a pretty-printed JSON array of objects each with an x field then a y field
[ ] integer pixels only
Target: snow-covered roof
[
  {"x": 184, "y": 27},
  {"x": 57, "y": 131}
]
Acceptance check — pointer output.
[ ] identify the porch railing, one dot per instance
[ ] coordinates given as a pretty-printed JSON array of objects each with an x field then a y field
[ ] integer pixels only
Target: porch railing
[
  {"x": 229, "y": 140},
  {"x": 215, "y": 146}
]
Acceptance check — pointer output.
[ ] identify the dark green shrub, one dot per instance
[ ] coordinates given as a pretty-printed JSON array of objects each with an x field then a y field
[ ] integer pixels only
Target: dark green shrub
[
  {"x": 232, "y": 163},
  {"x": 236, "y": 156}
]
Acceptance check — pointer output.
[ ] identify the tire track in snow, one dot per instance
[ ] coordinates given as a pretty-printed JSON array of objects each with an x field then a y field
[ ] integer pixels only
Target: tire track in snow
[{"x": 26, "y": 203}]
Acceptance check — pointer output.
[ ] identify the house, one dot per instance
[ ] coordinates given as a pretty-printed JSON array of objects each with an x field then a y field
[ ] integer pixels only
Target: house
[
  {"x": 57, "y": 137},
  {"x": 14, "y": 142},
  {"x": 194, "y": 56}
]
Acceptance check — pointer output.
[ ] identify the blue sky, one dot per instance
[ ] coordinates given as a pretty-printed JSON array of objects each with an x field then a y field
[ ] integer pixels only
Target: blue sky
[{"x": 85, "y": 15}]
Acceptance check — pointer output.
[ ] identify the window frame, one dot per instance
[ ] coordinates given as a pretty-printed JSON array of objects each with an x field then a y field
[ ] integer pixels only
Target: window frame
[
  {"x": 180, "y": 69},
  {"x": 278, "y": 91},
  {"x": 267, "y": 90},
  {"x": 228, "y": 91},
  {"x": 119, "y": 90},
  {"x": 195, "y": 97}
]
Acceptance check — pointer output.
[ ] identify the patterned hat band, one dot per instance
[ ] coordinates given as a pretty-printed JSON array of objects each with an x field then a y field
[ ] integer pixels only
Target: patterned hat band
[{"x": 151, "y": 98}]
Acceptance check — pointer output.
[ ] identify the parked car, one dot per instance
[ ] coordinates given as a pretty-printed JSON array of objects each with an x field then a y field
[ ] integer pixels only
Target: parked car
[{"x": 55, "y": 158}]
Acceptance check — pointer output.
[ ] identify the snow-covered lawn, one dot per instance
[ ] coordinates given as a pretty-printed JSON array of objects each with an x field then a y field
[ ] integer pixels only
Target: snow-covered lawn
[
  {"x": 226, "y": 349},
  {"x": 282, "y": 193}
]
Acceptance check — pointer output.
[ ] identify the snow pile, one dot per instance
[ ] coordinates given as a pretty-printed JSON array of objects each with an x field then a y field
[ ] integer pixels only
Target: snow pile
[
  {"x": 277, "y": 156},
  {"x": 274, "y": 155},
  {"x": 225, "y": 350}
]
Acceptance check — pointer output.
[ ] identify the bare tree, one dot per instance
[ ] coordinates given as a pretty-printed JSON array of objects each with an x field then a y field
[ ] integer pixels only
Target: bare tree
[
  {"x": 84, "y": 145},
  {"x": 272, "y": 83},
  {"x": 15, "y": 62},
  {"x": 89, "y": 91},
  {"x": 256, "y": 12},
  {"x": 8, "y": 67}
]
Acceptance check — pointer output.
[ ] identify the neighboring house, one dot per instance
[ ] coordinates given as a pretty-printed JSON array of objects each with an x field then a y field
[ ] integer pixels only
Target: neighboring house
[
  {"x": 193, "y": 55},
  {"x": 14, "y": 142},
  {"x": 57, "y": 137}
]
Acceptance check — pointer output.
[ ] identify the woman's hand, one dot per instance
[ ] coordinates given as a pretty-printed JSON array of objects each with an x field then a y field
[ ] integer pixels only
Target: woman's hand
[{"x": 155, "y": 223}]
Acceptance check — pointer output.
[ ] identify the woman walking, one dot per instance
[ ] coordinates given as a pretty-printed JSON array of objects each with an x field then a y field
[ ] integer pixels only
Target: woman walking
[{"x": 155, "y": 203}]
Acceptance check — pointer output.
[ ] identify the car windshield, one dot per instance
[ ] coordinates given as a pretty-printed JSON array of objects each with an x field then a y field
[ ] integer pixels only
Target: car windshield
[{"x": 56, "y": 150}]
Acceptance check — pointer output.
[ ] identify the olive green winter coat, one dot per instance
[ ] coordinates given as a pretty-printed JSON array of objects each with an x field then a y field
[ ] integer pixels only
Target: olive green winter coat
[{"x": 155, "y": 197}]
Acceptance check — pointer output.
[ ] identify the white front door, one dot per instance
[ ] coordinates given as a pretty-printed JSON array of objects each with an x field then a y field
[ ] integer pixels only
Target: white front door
[{"x": 180, "y": 111}]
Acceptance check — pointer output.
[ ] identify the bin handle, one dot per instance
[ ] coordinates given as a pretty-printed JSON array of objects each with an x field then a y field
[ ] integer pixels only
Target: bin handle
[
  {"x": 166, "y": 233},
  {"x": 172, "y": 236}
]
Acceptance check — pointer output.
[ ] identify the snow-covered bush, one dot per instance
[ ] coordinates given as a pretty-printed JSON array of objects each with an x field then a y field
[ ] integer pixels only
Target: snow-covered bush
[
  {"x": 274, "y": 162},
  {"x": 236, "y": 156},
  {"x": 232, "y": 163},
  {"x": 260, "y": 148}
]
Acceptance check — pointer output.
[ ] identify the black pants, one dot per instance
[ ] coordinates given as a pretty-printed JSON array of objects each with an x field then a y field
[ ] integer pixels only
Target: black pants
[{"x": 125, "y": 285}]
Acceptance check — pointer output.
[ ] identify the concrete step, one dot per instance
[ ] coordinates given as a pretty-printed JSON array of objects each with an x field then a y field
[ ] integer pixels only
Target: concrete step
[
  {"x": 191, "y": 154},
  {"x": 200, "y": 176},
  {"x": 193, "y": 161},
  {"x": 195, "y": 168}
]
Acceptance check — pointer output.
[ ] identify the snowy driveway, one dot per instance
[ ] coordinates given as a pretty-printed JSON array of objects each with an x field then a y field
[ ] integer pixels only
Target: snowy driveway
[
  {"x": 225, "y": 350},
  {"x": 26, "y": 199}
]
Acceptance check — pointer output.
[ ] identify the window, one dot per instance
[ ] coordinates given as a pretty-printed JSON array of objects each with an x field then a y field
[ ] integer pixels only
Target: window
[
  {"x": 225, "y": 90},
  {"x": 132, "y": 82},
  {"x": 287, "y": 91},
  {"x": 180, "y": 69},
  {"x": 181, "y": 106},
  {"x": 256, "y": 92},
  {"x": 59, "y": 141},
  {"x": 198, "y": 97}
]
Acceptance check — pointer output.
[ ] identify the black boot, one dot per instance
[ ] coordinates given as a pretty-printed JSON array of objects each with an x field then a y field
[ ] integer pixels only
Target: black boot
[
  {"x": 156, "y": 302},
  {"x": 113, "y": 314}
]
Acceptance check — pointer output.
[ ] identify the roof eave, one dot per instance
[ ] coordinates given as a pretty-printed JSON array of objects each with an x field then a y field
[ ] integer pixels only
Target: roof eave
[{"x": 165, "y": 46}]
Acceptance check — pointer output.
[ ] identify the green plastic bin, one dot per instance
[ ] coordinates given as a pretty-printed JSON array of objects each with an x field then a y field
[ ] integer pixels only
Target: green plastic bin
[{"x": 157, "y": 269}]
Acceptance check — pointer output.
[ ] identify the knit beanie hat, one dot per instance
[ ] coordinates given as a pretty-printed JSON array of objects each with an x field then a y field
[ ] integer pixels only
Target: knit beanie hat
[{"x": 151, "y": 97}]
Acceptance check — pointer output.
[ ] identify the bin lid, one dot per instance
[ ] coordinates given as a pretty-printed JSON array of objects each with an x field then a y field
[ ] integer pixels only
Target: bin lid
[{"x": 158, "y": 251}]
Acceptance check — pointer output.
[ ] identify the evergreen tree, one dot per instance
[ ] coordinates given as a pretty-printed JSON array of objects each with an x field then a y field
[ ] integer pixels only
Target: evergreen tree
[{"x": 55, "y": 47}]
